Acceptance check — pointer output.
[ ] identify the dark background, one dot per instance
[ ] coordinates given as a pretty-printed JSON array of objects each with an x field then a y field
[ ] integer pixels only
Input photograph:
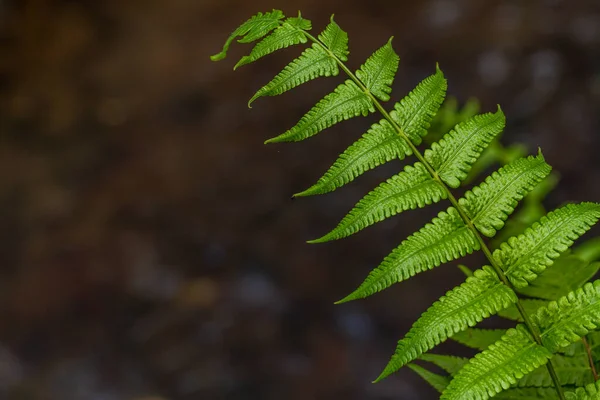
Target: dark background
[{"x": 149, "y": 248}]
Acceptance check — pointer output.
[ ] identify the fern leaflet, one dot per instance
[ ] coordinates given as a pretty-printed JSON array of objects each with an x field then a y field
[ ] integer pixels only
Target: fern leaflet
[
  {"x": 464, "y": 306},
  {"x": 446, "y": 238},
  {"x": 566, "y": 320},
  {"x": 524, "y": 257},
  {"x": 453, "y": 156},
  {"x": 410, "y": 189},
  {"x": 378, "y": 72},
  {"x": 414, "y": 113},
  {"x": 489, "y": 205},
  {"x": 346, "y": 101}
]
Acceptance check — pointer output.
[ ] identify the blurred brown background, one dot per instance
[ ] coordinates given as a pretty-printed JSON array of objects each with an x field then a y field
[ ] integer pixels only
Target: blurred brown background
[{"x": 149, "y": 248}]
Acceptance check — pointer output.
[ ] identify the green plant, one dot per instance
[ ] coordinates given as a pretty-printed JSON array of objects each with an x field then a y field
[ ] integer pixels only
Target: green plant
[{"x": 526, "y": 265}]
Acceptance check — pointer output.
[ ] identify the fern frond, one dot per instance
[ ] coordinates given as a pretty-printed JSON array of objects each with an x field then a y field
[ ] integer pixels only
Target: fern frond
[
  {"x": 477, "y": 298},
  {"x": 524, "y": 257},
  {"x": 489, "y": 204},
  {"x": 498, "y": 367},
  {"x": 412, "y": 188},
  {"x": 314, "y": 62},
  {"x": 346, "y": 101},
  {"x": 453, "y": 156},
  {"x": 479, "y": 339},
  {"x": 378, "y": 72},
  {"x": 444, "y": 239},
  {"x": 336, "y": 40},
  {"x": 450, "y": 364},
  {"x": 253, "y": 29},
  {"x": 438, "y": 382},
  {"x": 566, "y": 320},
  {"x": 291, "y": 32},
  {"x": 569, "y": 272},
  {"x": 570, "y": 371},
  {"x": 381, "y": 143},
  {"x": 589, "y": 392},
  {"x": 530, "y": 306}
]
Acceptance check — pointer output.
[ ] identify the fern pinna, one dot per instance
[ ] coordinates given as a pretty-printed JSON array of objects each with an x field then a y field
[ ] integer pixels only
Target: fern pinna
[{"x": 536, "y": 359}]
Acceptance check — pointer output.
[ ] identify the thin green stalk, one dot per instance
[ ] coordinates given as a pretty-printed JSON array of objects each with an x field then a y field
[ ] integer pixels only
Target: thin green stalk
[
  {"x": 588, "y": 350},
  {"x": 534, "y": 332}
]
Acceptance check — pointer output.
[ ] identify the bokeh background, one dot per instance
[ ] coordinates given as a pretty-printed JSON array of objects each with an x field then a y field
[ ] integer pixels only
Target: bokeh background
[{"x": 149, "y": 248}]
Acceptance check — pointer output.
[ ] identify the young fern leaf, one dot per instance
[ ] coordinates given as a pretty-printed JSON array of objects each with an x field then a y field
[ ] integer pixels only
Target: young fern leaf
[
  {"x": 444, "y": 239},
  {"x": 566, "y": 320},
  {"x": 479, "y": 339},
  {"x": 523, "y": 257},
  {"x": 412, "y": 188},
  {"x": 464, "y": 306},
  {"x": 347, "y": 101},
  {"x": 453, "y": 156},
  {"x": 314, "y": 62},
  {"x": 438, "y": 382},
  {"x": 251, "y": 30},
  {"x": 489, "y": 205},
  {"x": 568, "y": 273},
  {"x": 497, "y": 368},
  {"x": 381, "y": 143},
  {"x": 378, "y": 72},
  {"x": 291, "y": 32}
]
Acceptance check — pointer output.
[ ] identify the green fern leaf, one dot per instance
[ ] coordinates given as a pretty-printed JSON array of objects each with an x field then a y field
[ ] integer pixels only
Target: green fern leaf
[
  {"x": 566, "y": 320},
  {"x": 453, "y": 156},
  {"x": 251, "y": 30},
  {"x": 479, "y": 339},
  {"x": 464, "y": 306},
  {"x": 335, "y": 40},
  {"x": 412, "y": 188},
  {"x": 346, "y": 101},
  {"x": 450, "y": 364},
  {"x": 445, "y": 239},
  {"x": 489, "y": 204},
  {"x": 530, "y": 306},
  {"x": 414, "y": 113},
  {"x": 378, "y": 72},
  {"x": 524, "y": 257},
  {"x": 314, "y": 62},
  {"x": 438, "y": 382},
  {"x": 589, "y": 392},
  {"x": 498, "y": 367},
  {"x": 381, "y": 143},
  {"x": 291, "y": 32},
  {"x": 568, "y": 273},
  {"x": 570, "y": 371}
]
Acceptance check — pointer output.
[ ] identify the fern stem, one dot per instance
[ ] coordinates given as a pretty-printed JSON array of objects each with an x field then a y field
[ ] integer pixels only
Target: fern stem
[
  {"x": 531, "y": 327},
  {"x": 588, "y": 350}
]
